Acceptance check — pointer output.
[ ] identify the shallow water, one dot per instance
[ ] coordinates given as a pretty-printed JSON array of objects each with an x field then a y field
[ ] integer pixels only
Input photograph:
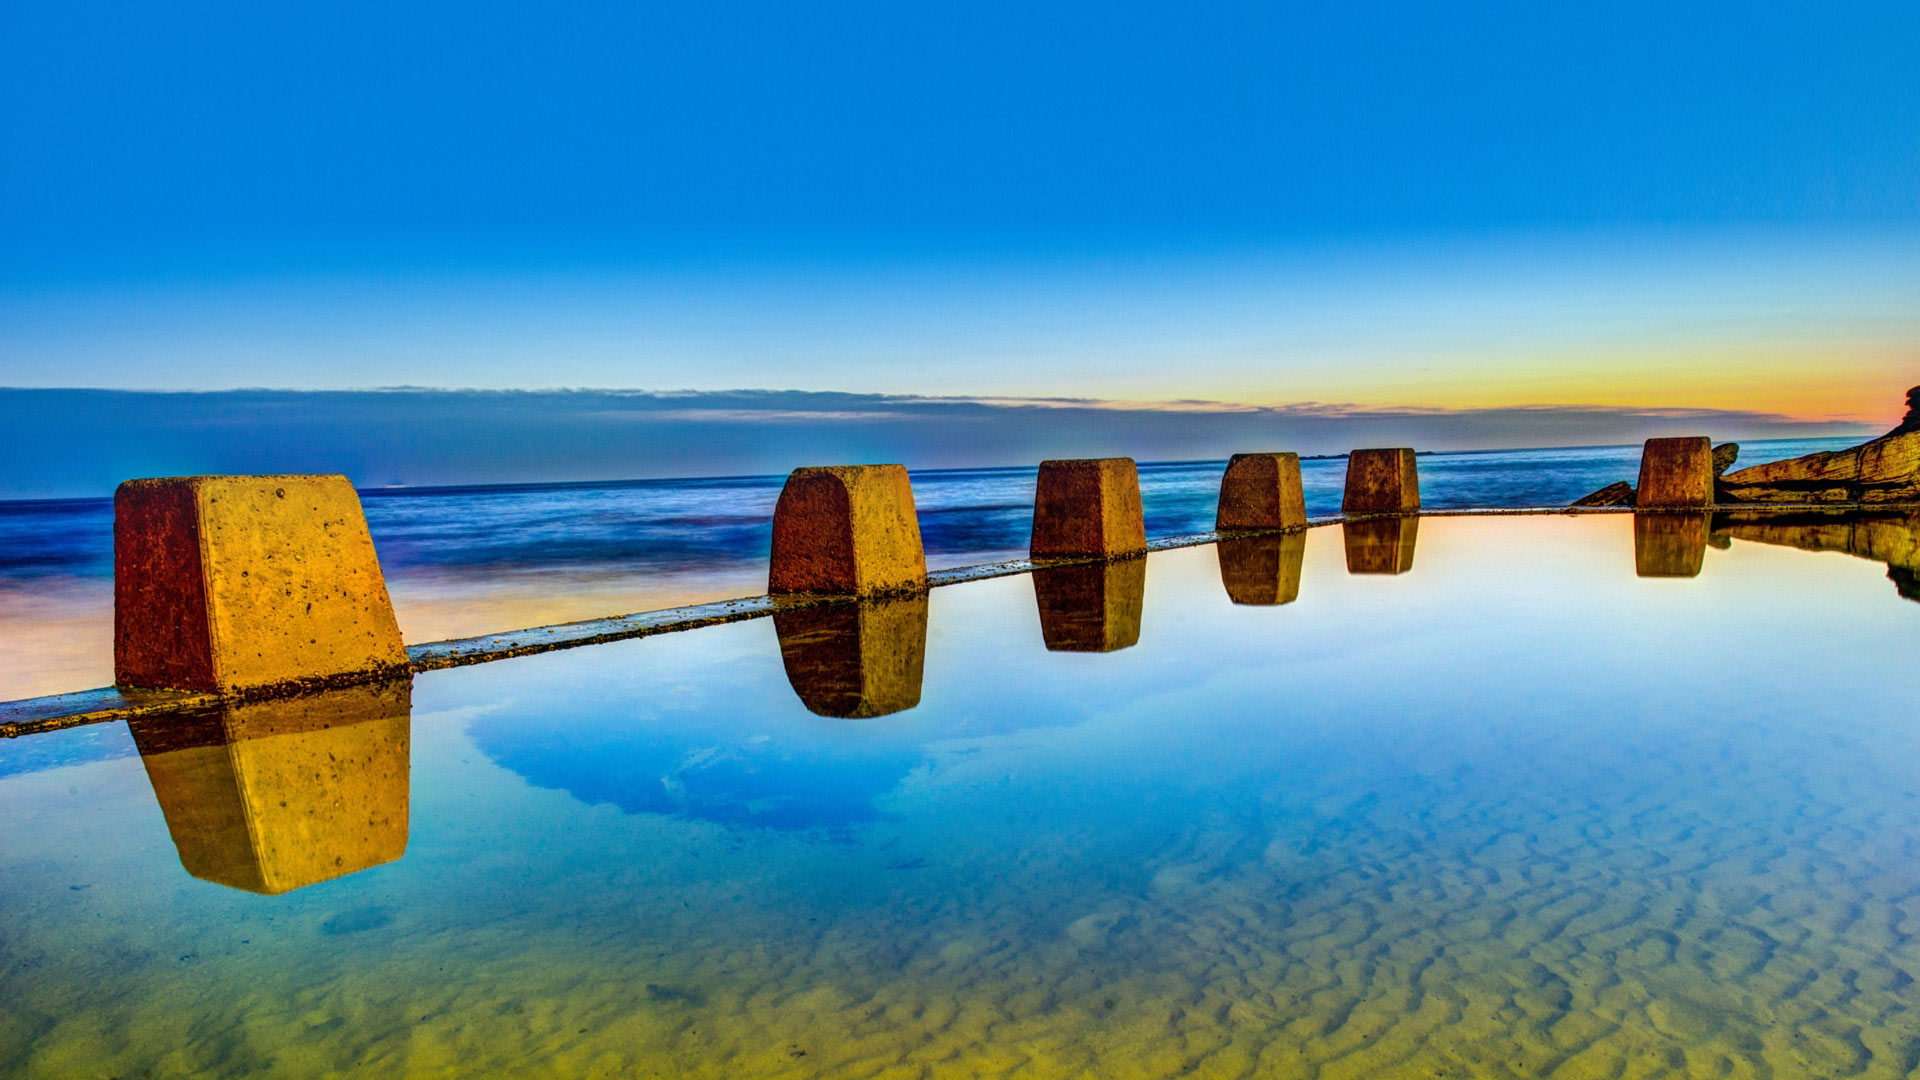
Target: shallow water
[
  {"x": 465, "y": 561},
  {"x": 1485, "y": 798}
]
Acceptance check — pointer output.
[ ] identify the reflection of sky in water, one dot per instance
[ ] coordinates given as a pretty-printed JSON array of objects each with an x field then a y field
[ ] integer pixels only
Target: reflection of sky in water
[{"x": 1517, "y": 811}]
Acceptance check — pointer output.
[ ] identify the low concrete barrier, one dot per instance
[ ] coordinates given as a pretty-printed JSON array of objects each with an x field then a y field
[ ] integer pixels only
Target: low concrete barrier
[
  {"x": 847, "y": 530},
  {"x": 1088, "y": 507},
  {"x": 1382, "y": 482},
  {"x": 1261, "y": 491},
  {"x": 1676, "y": 473},
  {"x": 234, "y": 583}
]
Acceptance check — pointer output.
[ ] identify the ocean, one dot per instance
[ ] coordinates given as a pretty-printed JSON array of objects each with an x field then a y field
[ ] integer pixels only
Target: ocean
[{"x": 462, "y": 561}]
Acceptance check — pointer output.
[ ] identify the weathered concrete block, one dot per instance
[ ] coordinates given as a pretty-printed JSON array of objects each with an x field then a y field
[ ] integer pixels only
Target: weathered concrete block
[
  {"x": 1091, "y": 607},
  {"x": 1669, "y": 545},
  {"x": 1381, "y": 545},
  {"x": 1382, "y": 482},
  {"x": 1676, "y": 473},
  {"x": 1262, "y": 569},
  {"x": 1088, "y": 507},
  {"x": 232, "y": 583},
  {"x": 1261, "y": 491},
  {"x": 276, "y": 795},
  {"x": 847, "y": 530},
  {"x": 856, "y": 660}
]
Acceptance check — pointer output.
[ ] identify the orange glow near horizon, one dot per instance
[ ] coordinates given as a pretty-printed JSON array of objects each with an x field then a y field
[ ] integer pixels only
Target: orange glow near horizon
[{"x": 1851, "y": 382}]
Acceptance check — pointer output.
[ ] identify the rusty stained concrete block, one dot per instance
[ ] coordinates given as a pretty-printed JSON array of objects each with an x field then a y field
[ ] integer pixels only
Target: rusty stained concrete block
[
  {"x": 855, "y": 660},
  {"x": 1262, "y": 569},
  {"x": 1088, "y": 507},
  {"x": 277, "y": 795},
  {"x": 847, "y": 530},
  {"x": 1676, "y": 473},
  {"x": 1091, "y": 607},
  {"x": 1381, "y": 545},
  {"x": 1669, "y": 545},
  {"x": 1261, "y": 491},
  {"x": 1382, "y": 482},
  {"x": 231, "y": 583}
]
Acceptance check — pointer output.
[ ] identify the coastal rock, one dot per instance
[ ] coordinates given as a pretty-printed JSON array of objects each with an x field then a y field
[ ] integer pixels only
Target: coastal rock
[
  {"x": 1912, "y": 420},
  {"x": 1885, "y": 470},
  {"x": 1618, "y": 493},
  {"x": 1882, "y": 471}
]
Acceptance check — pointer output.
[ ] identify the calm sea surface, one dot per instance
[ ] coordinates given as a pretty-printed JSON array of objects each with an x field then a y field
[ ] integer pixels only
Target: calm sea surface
[
  {"x": 466, "y": 561},
  {"x": 1562, "y": 797}
]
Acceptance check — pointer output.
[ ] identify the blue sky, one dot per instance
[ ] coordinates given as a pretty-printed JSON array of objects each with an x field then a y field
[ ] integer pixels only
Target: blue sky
[{"x": 1436, "y": 206}]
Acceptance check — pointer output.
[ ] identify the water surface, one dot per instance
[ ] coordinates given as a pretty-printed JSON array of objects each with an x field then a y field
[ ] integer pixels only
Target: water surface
[{"x": 1544, "y": 797}]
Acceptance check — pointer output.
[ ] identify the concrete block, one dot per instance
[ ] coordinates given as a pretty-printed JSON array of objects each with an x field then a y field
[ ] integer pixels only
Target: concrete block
[
  {"x": 1261, "y": 491},
  {"x": 856, "y": 660},
  {"x": 847, "y": 530},
  {"x": 1676, "y": 473},
  {"x": 234, "y": 583},
  {"x": 1088, "y": 508},
  {"x": 1382, "y": 482},
  {"x": 1262, "y": 569},
  {"x": 276, "y": 795},
  {"x": 1669, "y": 545},
  {"x": 1381, "y": 545},
  {"x": 1091, "y": 607}
]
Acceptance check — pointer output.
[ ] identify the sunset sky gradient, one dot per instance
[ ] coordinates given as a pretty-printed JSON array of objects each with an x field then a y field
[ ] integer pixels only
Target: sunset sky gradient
[{"x": 1377, "y": 205}]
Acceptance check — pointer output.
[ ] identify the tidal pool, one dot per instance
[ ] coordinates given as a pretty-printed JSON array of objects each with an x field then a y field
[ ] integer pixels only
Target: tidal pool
[{"x": 1485, "y": 797}]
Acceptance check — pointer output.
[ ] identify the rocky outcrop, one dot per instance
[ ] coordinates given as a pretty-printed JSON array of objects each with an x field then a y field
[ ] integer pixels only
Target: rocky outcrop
[
  {"x": 1882, "y": 471},
  {"x": 1885, "y": 470},
  {"x": 1618, "y": 493}
]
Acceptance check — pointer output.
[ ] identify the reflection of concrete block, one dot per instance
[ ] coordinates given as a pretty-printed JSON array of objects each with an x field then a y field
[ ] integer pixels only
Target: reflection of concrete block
[
  {"x": 855, "y": 659},
  {"x": 1669, "y": 545},
  {"x": 1382, "y": 482},
  {"x": 272, "y": 796},
  {"x": 1676, "y": 472},
  {"x": 847, "y": 530},
  {"x": 1088, "y": 507},
  {"x": 227, "y": 583},
  {"x": 1262, "y": 569},
  {"x": 1261, "y": 491},
  {"x": 1091, "y": 607},
  {"x": 1381, "y": 545}
]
